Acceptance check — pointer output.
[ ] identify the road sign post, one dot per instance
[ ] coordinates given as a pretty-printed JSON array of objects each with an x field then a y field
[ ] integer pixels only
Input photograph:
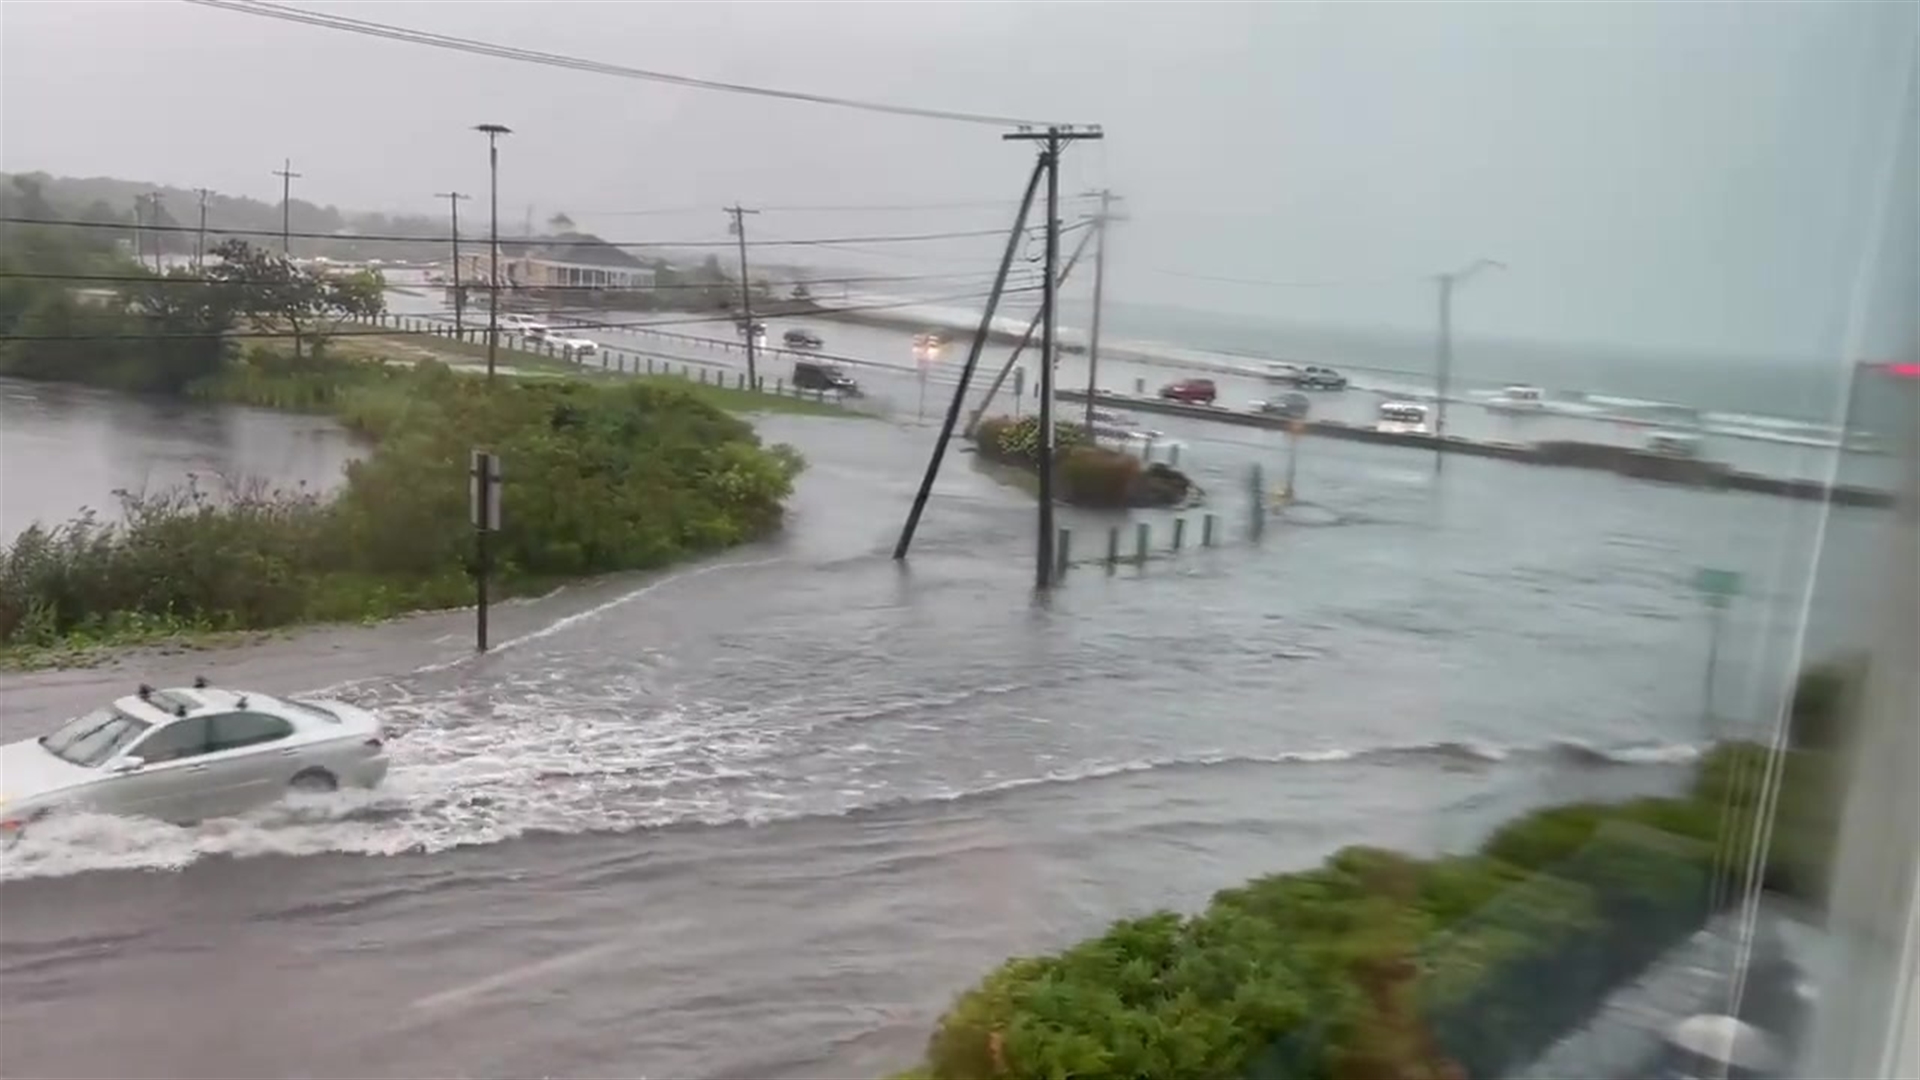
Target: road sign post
[
  {"x": 483, "y": 505},
  {"x": 1718, "y": 588}
]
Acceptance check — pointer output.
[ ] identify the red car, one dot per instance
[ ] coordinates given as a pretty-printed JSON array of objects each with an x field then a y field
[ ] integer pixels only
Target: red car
[{"x": 1190, "y": 391}]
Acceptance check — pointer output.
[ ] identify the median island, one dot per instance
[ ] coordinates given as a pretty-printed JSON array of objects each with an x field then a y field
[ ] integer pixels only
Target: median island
[
  {"x": 600, "y": 476},
  {"x": 1381, "y": 966},
  {"x": 1085, "y": 474}
]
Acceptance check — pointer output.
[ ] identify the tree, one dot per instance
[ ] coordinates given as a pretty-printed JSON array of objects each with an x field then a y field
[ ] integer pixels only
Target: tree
[
  {"x": 560, "y": 223},
  {"x": 274, "y": 292}
]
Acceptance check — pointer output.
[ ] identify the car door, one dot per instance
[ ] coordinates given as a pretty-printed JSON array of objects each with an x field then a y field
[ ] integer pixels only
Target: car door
[
  {"x": 172, "y": 782},
  {"x": 251, "y": 757}
]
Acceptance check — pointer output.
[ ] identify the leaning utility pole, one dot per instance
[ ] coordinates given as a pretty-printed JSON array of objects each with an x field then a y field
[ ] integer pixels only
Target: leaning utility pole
[
  {"x": 1053, "y": 137},
  {"x": 739, "y": 229},
  {"x": 1107, "y": 199},
  {"x": 287, "y": 177},
  {"x": 459, "y": 295},
  {"x": 200, "y": 238},
  {"x": 1026, "y": 339},
  {"x": 973, "y": 360}
]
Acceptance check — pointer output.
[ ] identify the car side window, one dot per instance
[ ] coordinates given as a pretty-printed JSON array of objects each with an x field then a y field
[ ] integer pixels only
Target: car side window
[
  {"x": 180, "y": 739},
  {"x": 231, "y": 731}
]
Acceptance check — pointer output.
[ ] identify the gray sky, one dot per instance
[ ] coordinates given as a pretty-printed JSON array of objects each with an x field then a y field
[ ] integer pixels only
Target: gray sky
[{"x": 1678, "y": 174}]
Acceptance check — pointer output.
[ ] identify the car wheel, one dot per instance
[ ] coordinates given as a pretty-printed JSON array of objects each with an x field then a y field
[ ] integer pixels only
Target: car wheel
[{"x": 314, "y": 782}]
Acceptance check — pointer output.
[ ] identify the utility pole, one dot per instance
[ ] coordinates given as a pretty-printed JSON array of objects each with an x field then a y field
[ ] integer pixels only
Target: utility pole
[
  {"x": 493, "y": 133},
  {"x": 739, "y": 229},
  {"x": 287, "y": 177},
  {"x": 200, "y": 239},
  {"x": 1053, "y": 138},
  {"x": 1107, "y": 199},
  {"x": 139, "y": 234},
  {"x": 153, "y": 201},
  {"x": 1444, "y": 364},
  {"x": 459, "y": 295},
  {"x": 1026, "y": 339},
  {"x": 973, "y": 360}
]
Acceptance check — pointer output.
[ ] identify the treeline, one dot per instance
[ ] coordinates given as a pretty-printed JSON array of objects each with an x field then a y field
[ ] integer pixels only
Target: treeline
[
  {"x": 74, "y": 307},
  {"x": 598, "y": 477},
  {"x": 1381, "y": 966},
  {"x": 107, "y": 200}
]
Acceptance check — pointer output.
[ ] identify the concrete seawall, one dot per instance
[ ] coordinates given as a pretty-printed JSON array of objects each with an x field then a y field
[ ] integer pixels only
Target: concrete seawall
[{"x": 1624, "y": 460}]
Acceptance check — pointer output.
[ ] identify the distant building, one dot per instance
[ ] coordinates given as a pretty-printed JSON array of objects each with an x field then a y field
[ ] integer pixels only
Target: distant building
[{"x": 569, "y": 260}]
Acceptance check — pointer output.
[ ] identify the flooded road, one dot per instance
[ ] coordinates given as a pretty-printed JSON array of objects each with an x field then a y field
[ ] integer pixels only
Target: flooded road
[{"x": 765, "y": 815}]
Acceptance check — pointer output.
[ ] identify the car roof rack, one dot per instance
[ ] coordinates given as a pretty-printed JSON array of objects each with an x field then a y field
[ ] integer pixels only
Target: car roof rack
[
  {"x": 200, "y": 682},
  {"x": 145, "y": 691}
]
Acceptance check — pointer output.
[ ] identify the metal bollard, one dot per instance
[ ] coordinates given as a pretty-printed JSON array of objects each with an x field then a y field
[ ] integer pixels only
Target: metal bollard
[
  {"x": 1139, "y": 388},
  {"x": 760, "y": 385},
  {"x": 1062, "y": 548},
  {"x": 1173, "y": 455},
  {"x": 1206, "y": 530},
  {"x": 1179, "y": 532},
  {"x": 703, "y": 376},
  {"x": 779, "y": 387},
  {"x": 1140, "y": 543},
  {"x": 740, "y": 381},
  {"x": 1146, "y": 449},
  {"x": 649, "y": 365},
  {"x": 1113, "y": 547},
  {"x": 684, "y": 373}
]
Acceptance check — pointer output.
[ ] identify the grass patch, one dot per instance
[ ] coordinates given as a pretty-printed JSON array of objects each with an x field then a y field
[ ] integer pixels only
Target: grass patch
[{"x": 600, "y": 477}]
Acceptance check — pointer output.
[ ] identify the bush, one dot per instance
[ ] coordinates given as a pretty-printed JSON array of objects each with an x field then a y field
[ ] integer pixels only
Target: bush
[
  {"x": 596, "y": 478},
  {"x": 1087, "y": 474},
  {"x": 1375, "y": 965}
]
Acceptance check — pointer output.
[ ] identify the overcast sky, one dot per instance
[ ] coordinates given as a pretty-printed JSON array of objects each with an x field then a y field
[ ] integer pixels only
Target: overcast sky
[{"x": 1678, "y": 174}]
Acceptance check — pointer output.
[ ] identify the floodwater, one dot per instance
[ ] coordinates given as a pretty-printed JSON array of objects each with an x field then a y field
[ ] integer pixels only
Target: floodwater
[
  {"x": 65, "y": 449},
  {"x": 765, "y": 815}
]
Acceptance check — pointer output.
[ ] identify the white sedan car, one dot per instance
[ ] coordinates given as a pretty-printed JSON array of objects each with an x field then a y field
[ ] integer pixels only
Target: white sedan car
[
  {"x": 573, "y": 346},
  {"x": 187, "y": 754}
]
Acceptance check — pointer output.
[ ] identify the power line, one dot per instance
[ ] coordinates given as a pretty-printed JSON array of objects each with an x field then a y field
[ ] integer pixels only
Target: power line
[
  {"x": 825, "y": 313},
  {"x": 898, "y": 238},
  {"x": 156, "y": 279},
  {"x": 574, "y": 63}
]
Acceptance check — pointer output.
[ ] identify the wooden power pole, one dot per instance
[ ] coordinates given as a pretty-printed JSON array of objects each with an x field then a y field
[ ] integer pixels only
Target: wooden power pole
[
  {"x": 459, "y": 295},
  {"x": 1052, "y": 139},
  {"x": 287, "y": 177},
  {"x": 739, "y": 229},
  {"x": 200, "y": 238}
]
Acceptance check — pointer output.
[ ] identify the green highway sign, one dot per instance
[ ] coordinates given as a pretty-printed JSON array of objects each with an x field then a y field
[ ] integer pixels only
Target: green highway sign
[{"x": 1718, "y": 586}]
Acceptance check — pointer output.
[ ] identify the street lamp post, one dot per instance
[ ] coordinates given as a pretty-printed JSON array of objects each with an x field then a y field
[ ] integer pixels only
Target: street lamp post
[
  {"x": 493, "y": 133},
  {"x": 1444, "y": 375}
]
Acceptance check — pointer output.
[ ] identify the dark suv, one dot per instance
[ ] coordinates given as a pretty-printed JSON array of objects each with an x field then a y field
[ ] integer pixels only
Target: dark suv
[
  {"x": 824, "y": 377},
  {"x": 802, "y": 339},
  {"x": 1190, "y": 391}
]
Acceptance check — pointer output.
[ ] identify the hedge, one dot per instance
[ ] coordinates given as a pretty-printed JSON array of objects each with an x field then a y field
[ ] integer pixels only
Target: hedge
[
  {"x": 1380, "y": 966},
  {"x": 1086, "y": 474}
]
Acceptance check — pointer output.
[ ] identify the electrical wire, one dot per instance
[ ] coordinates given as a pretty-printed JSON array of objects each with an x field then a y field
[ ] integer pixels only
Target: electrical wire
[
  {"x": 505, "y": 241},
  {"x": 877, "y": 208},
  {"x": 824, "y": 313},
  {"x": 154, "y": 279},
  {"x": 504, "y": 52}
]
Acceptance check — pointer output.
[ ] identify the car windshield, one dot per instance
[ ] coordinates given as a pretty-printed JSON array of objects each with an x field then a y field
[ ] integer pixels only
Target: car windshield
[{"x": 93, "y": 739}]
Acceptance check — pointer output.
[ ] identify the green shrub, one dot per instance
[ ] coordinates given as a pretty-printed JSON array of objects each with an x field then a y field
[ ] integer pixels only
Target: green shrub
[
  {"x": 1375, "y": 965},
  {"x": 598, "y": 477}
]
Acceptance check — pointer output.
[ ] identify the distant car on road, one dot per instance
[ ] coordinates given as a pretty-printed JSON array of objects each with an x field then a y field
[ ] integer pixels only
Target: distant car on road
[
  {"x": 524, "y": 325},
  {"x": 572, "y": 345},
  {"x": 1291, "y": 406},
  {"x": 802, "y": 339},
  {"x": 1307, "y": 376},
  {"x": 1191, "y": 391},
  {"x": 740, "y": 327},
  {"x": 188, "y": 754},
  {"x": 824, "y": 377}
]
